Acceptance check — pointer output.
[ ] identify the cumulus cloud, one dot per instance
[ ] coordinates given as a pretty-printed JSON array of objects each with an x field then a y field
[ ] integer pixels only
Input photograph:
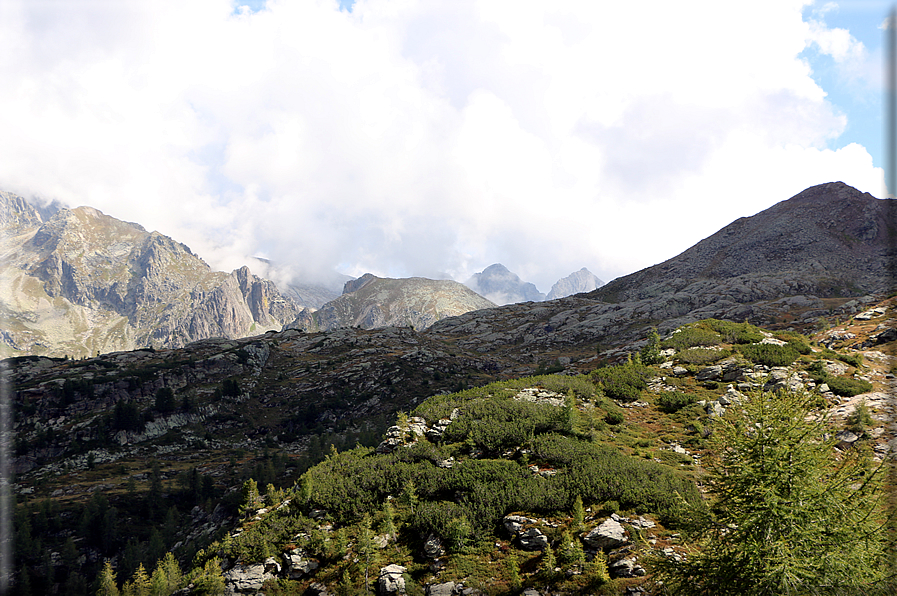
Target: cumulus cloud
[{"x": 422, "y": 137}]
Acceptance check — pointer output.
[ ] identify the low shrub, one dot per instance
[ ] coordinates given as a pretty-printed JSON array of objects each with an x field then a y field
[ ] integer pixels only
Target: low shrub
[
  {"x": 614, "y": 418},
  {"x": 735, "y": 333},
  {"x": 688, "y": 337},
  {"x": 623, "y": 381},
  {"x": 769, "y": 354},
  {"x": 847, "y": 387},
  {"x": 673, "y": 401},
  {"x": 701, "y": 355}
]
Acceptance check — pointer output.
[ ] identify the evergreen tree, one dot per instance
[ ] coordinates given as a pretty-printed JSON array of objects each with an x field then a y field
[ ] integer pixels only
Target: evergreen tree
[
  {"x": 249, "y": 502},
  {"x": 650, "y": 353},
  {"x": 789, "y": 516},
  {"x": 579, "y": 515},
  {"x": 139, "y": 584},
  {"x": 513, "y": 572},
  {"x": 106, "y": 582},
  {"x": 166, "y": 577}
]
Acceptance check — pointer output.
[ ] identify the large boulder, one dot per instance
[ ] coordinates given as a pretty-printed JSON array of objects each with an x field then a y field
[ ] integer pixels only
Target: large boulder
[
  {"x": 443, "y": 589},
  {"x": 533, "y": 539},
  {"x": 297, "y": 564},
  {"x": 391, "y": 580},
  {"x": 247, "y": 578},
  {"x": 610, "y": 534}
]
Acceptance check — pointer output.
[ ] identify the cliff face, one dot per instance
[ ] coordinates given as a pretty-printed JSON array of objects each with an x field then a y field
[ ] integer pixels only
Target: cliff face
[
  {"x": 575, "y": 283},
  {"x": 372, "y": 302},
  {"x": 83, "y": 282}
]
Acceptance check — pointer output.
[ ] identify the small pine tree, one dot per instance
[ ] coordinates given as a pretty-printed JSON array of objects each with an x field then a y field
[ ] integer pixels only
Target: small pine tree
[
  {"x": 409, "y": 495},
  {"x": 596, "y": 570},
  {"x": 166, "y": 578},
  {"x": 579, "y": 515},
  {"x": 389, "y": 523},
  {"x": 107, "y": 584},
  {"x": 209, "y": 581},
  {"x": 650, "y": 353},
  {"x": 513, "y": 567},
  {"x": 570, "y": 413},
  {"x": 250, "y": 497},
  {"x": 791, "y": 516},
  {"x": 548, "y": 565},
  {"x": 139, "y": 585}
]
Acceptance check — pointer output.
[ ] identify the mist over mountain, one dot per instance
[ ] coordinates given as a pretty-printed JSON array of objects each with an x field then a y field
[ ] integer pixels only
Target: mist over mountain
[
  {"x": 499, "y": 285},
  {"x": 575, "y": 283}
]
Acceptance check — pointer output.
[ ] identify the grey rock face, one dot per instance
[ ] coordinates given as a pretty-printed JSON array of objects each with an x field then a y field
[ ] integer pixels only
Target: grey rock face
[
  {"x": 246, "y": 578},
  {"x": 372, "y": 302},
  {"x": 575, "y": 283},
  {"x": 391, "y": 580},
  {"x": 610, "y": 534},
  {"x": 443, "y": 589},
  {"x": 114, "y": 286}
]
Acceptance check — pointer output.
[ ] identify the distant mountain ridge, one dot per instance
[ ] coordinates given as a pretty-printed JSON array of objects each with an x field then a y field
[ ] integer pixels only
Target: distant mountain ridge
[
  {"x": 84, "y": 282},
  {"x": 372, "y": 302},
  {"x": 499, "y": 285},
  {"x": 575, "y": 283}
]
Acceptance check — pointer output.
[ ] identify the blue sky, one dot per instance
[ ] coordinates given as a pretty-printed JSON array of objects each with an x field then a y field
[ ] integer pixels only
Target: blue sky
[
  {"x": 854, "y": 88},
  {"x": 436, "y": 137}
]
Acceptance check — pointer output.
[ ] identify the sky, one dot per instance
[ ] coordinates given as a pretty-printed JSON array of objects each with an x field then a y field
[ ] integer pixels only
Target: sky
[{"x": 436, "y": 137}]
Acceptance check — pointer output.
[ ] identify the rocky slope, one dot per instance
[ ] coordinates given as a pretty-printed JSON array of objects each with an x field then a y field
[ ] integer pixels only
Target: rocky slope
[
  {"x": 575, "y": 283},
  {"x": 82, "y": 282},
  {"x": 371, "y": 302},
  {"x": 811, "y": 256},
  {"x": 501, "y": 286}
]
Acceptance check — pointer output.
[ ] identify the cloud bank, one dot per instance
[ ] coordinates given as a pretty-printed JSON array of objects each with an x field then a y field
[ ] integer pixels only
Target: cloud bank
[{"x": 425, "y": 137}]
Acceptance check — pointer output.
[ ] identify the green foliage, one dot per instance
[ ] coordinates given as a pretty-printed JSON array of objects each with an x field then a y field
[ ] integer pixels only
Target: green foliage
[
  {"x": 613, "y": 418},
  {"x": 165, "y": 401},
  {"x": 513, "y": 569},
  {"x": 126, "y": 416},
  {"x": 769, "y": 354},
  {"x": 624, "y": 382},
  {"x": 735, "y": 333},
  {"x": 701, "y": 355},
  {"x": 688, "y": 337},
  {"x": 208, "y": 581},
  {"x": 650, "y": 353},
  {"x": 860, "y": 419},
  {"x": 497, "y": 424},
  {"x": 673, "y": 401},
  {"x": 789, "y": 517},
  {"x": 847, "y": 387},
  {"x": 106, "y": 582}
]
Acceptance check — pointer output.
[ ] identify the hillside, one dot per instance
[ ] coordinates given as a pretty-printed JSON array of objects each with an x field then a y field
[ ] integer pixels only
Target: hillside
[
  {"x": 449, "y": 452},
  {"x": 371, "y": 302},
  {"x": 82, "y": 282},
  {"x": 481, "y": 480}
]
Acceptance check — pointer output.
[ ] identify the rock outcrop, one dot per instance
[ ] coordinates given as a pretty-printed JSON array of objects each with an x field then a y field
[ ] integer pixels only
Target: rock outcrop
[{"x": 372, "y": 302}]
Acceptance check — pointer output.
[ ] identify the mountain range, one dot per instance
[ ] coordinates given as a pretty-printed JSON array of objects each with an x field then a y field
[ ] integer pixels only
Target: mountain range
[
  {"x": 77, "y": 282},
  {"x": 134, "y": 452}
]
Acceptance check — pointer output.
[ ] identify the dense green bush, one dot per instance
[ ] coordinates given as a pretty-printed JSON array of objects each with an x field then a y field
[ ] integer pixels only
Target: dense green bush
[
  {"x": 688, "y": 337},
  {"x": 735, "y": 333},
  {"x": 769, "y": 354},
  {"x": 701, "y": 355},
  {"x": 614, "y": 418},
  {"x": 847, "y": 387},
  {"x": 623, "y": 381},
  {"x": 673, "y": 401},
  {"x": 497, "y": 424}
]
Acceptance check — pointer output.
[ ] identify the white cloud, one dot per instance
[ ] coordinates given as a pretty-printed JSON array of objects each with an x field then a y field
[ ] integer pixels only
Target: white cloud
[{"x": 422, "y": 137}]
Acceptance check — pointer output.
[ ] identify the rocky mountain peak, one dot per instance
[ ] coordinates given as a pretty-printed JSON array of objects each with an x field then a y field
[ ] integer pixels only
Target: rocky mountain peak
[
  {"x": 501, "y": 286},
  {"x": 353, "y": 285},
  {"x": 83, "y": 282},
  {"x": 575, "y": 283}
]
